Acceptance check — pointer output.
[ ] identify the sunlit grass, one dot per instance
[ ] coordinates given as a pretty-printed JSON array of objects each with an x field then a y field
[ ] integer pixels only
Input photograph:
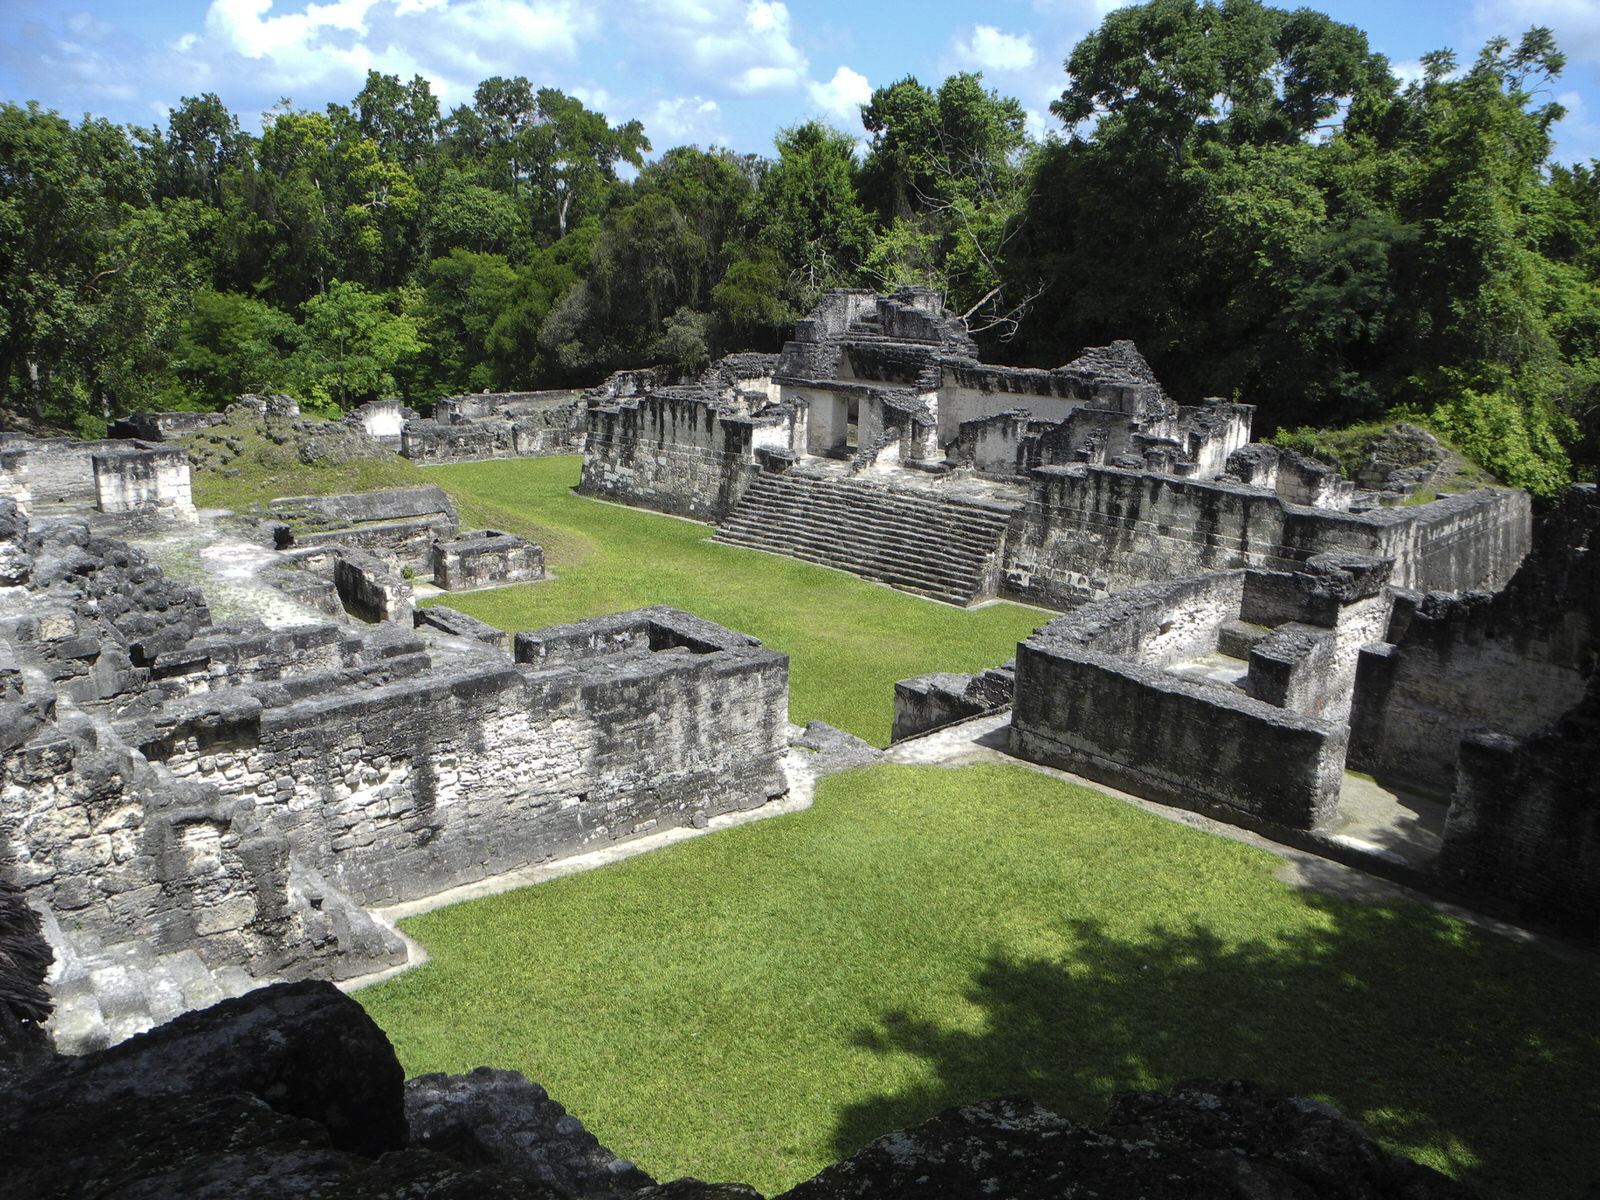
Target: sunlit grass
[
  {"x": 756, "y": 1004},
  {"x": 848, "y": 641}
]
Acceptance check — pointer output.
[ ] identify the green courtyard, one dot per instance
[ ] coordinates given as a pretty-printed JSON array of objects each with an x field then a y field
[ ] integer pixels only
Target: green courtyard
[{"x": 753, "y": 1005}]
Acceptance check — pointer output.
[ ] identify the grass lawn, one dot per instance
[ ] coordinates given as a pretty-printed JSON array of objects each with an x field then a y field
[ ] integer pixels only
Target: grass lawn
[
  {"x": 754, "y": 1005},
  {"x": 848, "y": 640}
]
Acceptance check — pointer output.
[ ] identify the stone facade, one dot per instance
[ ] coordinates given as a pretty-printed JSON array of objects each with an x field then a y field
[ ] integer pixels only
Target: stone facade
[
  {"x": 485, "y": 558},
  {"x": 183, "y": 788},
  {"x": 1088, "y": 532},
  {"x": 1108, "y": 482},
  {"x": 885, "y": 381},
  {"x": 1226, "y": 693}
]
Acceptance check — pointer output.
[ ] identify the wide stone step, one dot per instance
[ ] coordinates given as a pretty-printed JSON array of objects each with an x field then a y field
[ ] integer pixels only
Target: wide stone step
[
  {"x": 907, "y": 555},
  {"x": 931, "y": 546},
  {"x": 976, "y": 527},
  {"x": 896, "y": 575}
]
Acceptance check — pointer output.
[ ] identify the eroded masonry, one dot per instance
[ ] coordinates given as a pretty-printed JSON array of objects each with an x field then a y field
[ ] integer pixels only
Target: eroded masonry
[
  {"x": 203, "y": 791},
  {"x": 1245, "y": 626},
  {"x": 197, "y": 804},
  {"x": 876, "y": 442}
]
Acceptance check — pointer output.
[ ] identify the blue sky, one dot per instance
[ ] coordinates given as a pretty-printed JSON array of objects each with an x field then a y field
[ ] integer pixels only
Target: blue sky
[{"x": 724, "y": 72}]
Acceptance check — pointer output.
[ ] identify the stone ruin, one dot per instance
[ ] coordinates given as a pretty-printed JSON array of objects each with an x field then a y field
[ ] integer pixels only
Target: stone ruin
[
  {"x": 493, "y": 425},
  {"x": 1247, "y": 695},
  {"x": 115, "y": 483},
  {"x": 876, "y": 442},
  {"x": 197, "y": 805}
]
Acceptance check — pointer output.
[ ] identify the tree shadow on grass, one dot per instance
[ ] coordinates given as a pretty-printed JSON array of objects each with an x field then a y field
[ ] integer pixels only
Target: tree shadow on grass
[{"x": 1455, "y": 1046}]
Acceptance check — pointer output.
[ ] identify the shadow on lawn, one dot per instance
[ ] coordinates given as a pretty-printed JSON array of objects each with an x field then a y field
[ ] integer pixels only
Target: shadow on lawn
[{"x": 1427, "y": 1032}]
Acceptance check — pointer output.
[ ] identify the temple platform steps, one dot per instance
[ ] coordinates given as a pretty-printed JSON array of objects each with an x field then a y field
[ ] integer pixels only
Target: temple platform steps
[{"x": 939, "y": 546}]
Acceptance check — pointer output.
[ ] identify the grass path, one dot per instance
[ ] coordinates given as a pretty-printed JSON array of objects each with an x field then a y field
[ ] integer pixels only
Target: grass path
[
  {"x": 848, "y": 640},
  {"x": 754, "y": 1005}
]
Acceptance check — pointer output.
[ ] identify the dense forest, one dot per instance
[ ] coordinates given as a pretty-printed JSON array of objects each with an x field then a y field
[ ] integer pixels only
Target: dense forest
[{"x": 1247, "y": 192}]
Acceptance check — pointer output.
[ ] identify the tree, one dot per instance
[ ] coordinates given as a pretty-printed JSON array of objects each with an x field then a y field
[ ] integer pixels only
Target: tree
[
  {"x": 809, "y": 213},
  {"x": 203, "y": 140},
  {"x": 401, "y": 119},
  {"x": 946, "y": 173},
  {"x": 572, "y": 155},
  {"x": 232, "y": 344},
  {"x": 1173, "y": 74},
  {"x": 351, "y": 344}
]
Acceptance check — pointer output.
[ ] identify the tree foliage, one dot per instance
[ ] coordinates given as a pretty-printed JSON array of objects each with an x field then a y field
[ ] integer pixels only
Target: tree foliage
[{"x": 1244, "y": 190}]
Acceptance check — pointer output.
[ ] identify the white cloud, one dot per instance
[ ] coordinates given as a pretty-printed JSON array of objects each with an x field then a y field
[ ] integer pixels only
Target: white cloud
[
  {"x": 683, "y": 120},
  {"x": 1576, "y": 23},
  {"x": 841, "y": 97},
  {"x": 988, "y": 49},
  {"x": 742, "y": 47},
  {"x": 1578, "y": 133}
]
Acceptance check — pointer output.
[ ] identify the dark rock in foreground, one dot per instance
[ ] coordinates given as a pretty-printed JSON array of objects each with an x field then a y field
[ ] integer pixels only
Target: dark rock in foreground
[{"x": 1209, "y": 1139}]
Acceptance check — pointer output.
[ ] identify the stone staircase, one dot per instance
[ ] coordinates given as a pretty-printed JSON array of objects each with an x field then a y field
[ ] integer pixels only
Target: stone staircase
[
  {"x": 105, "y": 994},
  {"x": 933, "y": 546}
]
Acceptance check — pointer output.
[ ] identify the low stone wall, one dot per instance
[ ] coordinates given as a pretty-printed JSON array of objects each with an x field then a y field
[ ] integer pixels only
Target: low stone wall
[
  {"x": 163, "y": 426},
  {"x": 236, "y": 791},
  {"x": 402, "y": 523},
  {"x": 930, "y": 702},
  {"x": 459, "y": 624},
  {"x": 1088, "y": 532},
  {"x": 486, "y": 558},
  {"x": 1097, "y": 691},
  {"x": 370, "y": 589},
  {"x": 1180, "y": 743},
  {"x": 399, "y": 790}
]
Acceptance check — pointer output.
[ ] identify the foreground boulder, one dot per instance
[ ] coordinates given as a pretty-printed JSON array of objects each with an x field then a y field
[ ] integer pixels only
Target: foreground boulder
[
  {"x": 498, "y": 1118},
  {"x": 1206, "y": 1140}
]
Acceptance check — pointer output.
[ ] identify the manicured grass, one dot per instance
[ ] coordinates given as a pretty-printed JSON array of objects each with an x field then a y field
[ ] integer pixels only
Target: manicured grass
[
  {"x": 756, "y": 1004},
  {"x": 848, "y": 640}
]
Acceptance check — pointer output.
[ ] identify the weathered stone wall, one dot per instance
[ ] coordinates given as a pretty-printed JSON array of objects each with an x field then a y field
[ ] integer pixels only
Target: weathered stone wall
[
  {"x": 486, "y": 558},
  {"x": 370, "y": 588},
  {"x": 675, "y": 451},
  {"x": 1096, "y": 693},
  {"x": 1088, "y": 532},
  {"x": 399, "y": 790},
  {"x": 1511, "y": 663},
  {"x": 169, "y": 785},
  {"x": 152, "y": 481},
  {"x": 1167, "y": 739},
  {"x": 1524, "y": 822}
]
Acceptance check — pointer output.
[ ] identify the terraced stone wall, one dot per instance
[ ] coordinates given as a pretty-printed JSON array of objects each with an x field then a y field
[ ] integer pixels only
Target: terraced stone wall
[
  {"x": 678, "y": 453},
  {"x": 1089, "y": 532}
]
